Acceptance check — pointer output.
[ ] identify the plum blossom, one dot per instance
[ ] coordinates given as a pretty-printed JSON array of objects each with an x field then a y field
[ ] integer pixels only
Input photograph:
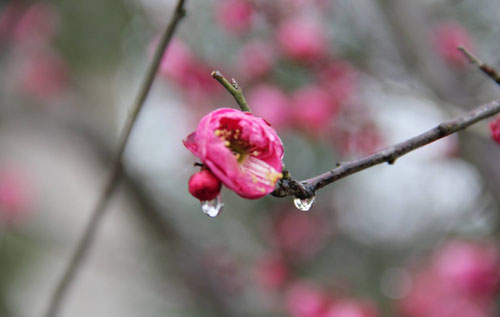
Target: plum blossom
[
  {"x": 256, "y": 58},
  {"x": 495, "y": 130},
  {"x": 302, "y": 39},
  {"x": 242, "y": 150},
  {"x": 446, "y": 37},
  {"x": 234, "y": 15},
  {"x": 271, "y": 103},
  {"x": 313, "y": 109}
]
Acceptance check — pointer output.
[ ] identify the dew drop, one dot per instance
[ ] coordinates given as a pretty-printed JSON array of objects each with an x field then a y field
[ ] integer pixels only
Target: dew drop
[
  {"x": 213, "y": 207},
  {"x": 304, "y": 204}
]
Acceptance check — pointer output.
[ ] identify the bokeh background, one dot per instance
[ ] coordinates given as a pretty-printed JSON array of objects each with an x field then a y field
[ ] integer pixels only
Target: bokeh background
[{"x": 338, "y": 79}]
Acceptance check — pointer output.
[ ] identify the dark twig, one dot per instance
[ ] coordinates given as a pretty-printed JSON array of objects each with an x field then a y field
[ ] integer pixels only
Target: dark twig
[
  {"x": 57, "y": 297},
  {"x": 234, "y": 89},
  {"x": 392, "y": 153},
  {"x": 485, "y": 68}
]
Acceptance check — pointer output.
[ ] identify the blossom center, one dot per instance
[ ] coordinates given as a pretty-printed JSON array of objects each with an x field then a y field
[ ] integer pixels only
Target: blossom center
[
  {"x": 247, "y": 157},
  {"x": 239, "y": 147}
]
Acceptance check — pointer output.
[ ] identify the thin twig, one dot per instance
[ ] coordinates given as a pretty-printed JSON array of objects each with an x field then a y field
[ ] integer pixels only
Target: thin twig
[
  {"x": 392, "y": 153},
  {"x": 485, "y": 68},
  {"x": 58, "y": 296},
  {"x": 234, "y": 89}
]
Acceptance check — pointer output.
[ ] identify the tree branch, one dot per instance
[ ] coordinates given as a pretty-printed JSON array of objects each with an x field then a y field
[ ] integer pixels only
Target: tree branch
[
  {"x": 485, "y": 68},
  {"x": 392, "y": 153},
  {"x": 234, "y": 89},
  {"x": 57, "y": 297}
]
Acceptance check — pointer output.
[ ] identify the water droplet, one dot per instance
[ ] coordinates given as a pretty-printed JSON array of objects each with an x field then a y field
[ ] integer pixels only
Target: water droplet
[
  {"x": 304, "y": 204},
  {"x": 213, "y": 207}
]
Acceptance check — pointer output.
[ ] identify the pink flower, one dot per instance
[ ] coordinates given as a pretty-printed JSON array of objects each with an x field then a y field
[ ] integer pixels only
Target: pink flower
[
  {"x": 314, "y": 110},
  {"x": 270, "y": 103},
  {"x": 39, "y": 24},
  {"x": 44, "y": 75},
  {"x": 446, "y": 37},
  {"x": 191, "y": 75},
  {"x": 234, "y": 15},
  {"x": 495, "y": 130},
  {"x": 302, "y": 39},
  {"x": 177, "y": 61},
  {"x": 298, "y": 235},
  {"x": 339, "y": 79},
  {"x": 256, "y": 59},
  {"x": 242, "y": 150},
  {"x": 272, "y": 271},
  {"x": 351, "y": 308},
  {"x": 15, "y": 195},
  {"x": 204, "y": 185},
  {"x": 305, "y": 299},
  {"x": 9, "y": 15},
  {"x": 469, "y": 267}
]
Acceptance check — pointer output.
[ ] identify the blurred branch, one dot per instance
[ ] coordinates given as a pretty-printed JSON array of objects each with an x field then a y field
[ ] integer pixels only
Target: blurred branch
[
  {"x": 392, "y": 153},
  {"x": 485, "y": 68},
  {"x": 85, "y": 242},
  {"x": 234, "y": 89}
]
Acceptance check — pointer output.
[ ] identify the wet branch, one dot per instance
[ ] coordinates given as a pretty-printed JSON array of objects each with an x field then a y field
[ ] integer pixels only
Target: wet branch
[
  {"x": 289, "y": 186},
  {"x": 391, "y": 154},
  {"x": 84, "y": 244}
]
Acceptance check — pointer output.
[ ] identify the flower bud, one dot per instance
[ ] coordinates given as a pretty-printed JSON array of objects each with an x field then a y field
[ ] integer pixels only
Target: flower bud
[{"x": 204, "y": 185}]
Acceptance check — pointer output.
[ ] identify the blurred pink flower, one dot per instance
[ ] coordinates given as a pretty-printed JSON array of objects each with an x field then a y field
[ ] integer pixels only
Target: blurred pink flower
[
  {"x": 187, "y": 71},
  {"x": 462, "y": 280},
  {"x": 350, "y": 308},
  {"x": 473, "y": 268},
  {"x": 234, "y": 15},
  {"x": 242, "y": 150},
  {"x": 339, "y": 79},
  {"x": 314, "y": 110},
  {"x": 9, "y": 16},
  {"x": 177, "y": 61},
  {"x": 38, "y": 25},
  {"x": 305, "y": 299},
  {"x": 15, "y": 196},
  {"x": 302, "y": 39},
  {"x": 44, "y": 75},
  {"x": 357, "y": 141},
  {"x": 495, "y": 130},
  {"x": 269, "y": 102},
  {"x": 447, "y": 36},
  {"x": 256, "y": 59},
  {"x": 271, "y": 271},
  {"x": 299, "y": 235}
]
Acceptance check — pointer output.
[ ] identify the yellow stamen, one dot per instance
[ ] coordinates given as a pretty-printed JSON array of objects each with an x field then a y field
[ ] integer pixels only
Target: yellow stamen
[{"x": 254, "y": 179}]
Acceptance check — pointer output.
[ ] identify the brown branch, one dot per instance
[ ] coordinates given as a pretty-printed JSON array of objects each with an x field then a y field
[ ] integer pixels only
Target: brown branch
[
  {"x": 57, "y": 297},
  {"x": 485, "y": 68},
  {"x": 392, "y": 153}
]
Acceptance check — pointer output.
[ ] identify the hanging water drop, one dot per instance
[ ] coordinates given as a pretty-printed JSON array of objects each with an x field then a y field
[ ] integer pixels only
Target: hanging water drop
[
  {"x": 212, "y": 207},
  {"x": 304, "y": 204}
]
